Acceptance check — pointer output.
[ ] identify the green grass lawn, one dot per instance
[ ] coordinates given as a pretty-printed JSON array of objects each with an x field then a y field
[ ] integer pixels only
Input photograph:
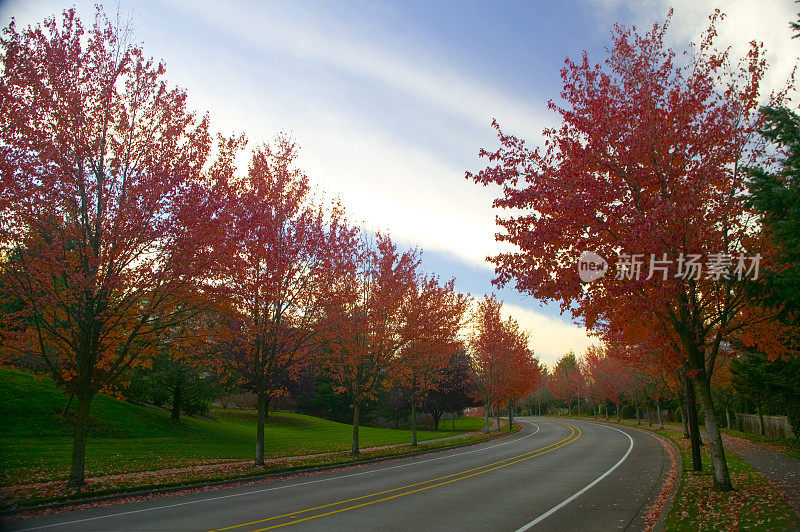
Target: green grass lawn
[
  {"x": 36, "y": 442},
  {"x": 753, "y": 505}
]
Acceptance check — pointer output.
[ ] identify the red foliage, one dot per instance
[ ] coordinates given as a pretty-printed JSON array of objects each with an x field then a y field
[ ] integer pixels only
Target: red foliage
[
  {"x": 649, "y": 159},
  {"x": 610, "y": 377},
  {"x": 103, "y": 203},
  {"x": 505, "y": 365},
  {"x": 280, "y": 259}
]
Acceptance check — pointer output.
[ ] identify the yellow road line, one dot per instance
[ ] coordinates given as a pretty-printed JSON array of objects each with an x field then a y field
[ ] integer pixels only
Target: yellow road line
[
  {"x": 419, "y": 489},
  {"x": 512, "y": 460},
  {"x": 397, "y": 489}
]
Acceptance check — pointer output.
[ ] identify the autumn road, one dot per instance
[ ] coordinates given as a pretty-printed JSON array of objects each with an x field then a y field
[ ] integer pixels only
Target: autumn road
[{"x": 571, "y": 475}]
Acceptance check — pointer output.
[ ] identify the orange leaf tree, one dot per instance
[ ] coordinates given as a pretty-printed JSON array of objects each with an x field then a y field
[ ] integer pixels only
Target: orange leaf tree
[
  {"x": 523, "y": 374},
  {"x": 432, "y": 320},
  {"x": 279, "y": 262},
  {"x": 366, "y": 326},
  {"x": 504, "y": 365}
]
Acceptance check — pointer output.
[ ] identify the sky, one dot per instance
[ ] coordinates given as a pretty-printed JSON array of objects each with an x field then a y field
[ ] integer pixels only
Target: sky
[{"x": 391, "y": 101}]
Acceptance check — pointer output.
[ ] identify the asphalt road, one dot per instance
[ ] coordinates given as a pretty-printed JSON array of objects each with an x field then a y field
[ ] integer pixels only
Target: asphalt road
[{"x": 550, "y": 476}]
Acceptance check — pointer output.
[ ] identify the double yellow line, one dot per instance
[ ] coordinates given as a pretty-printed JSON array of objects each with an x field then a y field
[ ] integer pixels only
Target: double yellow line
[{"x": 417, "y": 487}]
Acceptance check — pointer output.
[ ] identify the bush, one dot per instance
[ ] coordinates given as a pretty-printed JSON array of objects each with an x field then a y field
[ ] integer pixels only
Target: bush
[{"x": 629, "y": 411}]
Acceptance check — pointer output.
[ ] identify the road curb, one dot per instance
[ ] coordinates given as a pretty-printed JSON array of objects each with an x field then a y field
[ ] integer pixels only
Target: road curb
[
  {"x": 659, "y": 524},
  {"x": 238, "y": 481}
]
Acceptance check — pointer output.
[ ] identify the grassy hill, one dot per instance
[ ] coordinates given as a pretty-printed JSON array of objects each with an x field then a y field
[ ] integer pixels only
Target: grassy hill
[{"x": 36, "y": 441}]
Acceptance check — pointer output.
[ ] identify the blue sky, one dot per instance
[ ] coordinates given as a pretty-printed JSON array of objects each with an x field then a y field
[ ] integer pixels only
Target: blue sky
[{"x": 391, "y": 101}]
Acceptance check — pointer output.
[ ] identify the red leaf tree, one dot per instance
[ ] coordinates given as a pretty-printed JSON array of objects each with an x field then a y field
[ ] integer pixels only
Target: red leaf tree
[
  {"x": 505, "y": 367},
  {"x": 566, "y": 381},
  {"x": 610, "y": 377},
  {"x": 102, "y": 204},
  {"x": 649, "y": 161}
]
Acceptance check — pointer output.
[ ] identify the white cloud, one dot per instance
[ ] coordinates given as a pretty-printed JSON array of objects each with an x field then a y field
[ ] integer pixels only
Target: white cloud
[
  {"x": 387, "y": 181},
  {"x": 550, "y": 337}
]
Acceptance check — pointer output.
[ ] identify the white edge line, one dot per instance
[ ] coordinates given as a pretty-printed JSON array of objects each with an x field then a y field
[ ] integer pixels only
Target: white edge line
[
  {"x": 556, "y": 508},
  {"x": 206, "y": 499}
]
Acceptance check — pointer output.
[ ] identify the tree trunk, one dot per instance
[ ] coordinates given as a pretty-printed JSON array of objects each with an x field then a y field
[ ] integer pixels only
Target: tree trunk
[
  {"x": 413, "y": 424},
  {"x": 682, "y": 409},
  {"x": 638, "y": 417},
  {"x": 649, "y": 417},
  {"x": 694, "y": 428},
  {"x": 660, "y": 419},
  {"x": 436, "y": 421},
  {"x": 722, "y": 479},
  {"x": 619, "y": 413},
  {"x": 579, "y": 407},
  {"x": 262, "y": 409},
  {"x": 728, "y": 417},
  {"x": 66, "y": 406},
  {"x": 76, "y": 473},
  {"x": 177, "y": 398},
  {"x": 761, "y": 428},
  {"x": 510, "y": 415},
  {"x": 486, "y": 418},
  {"x": 356, "y": 414}
]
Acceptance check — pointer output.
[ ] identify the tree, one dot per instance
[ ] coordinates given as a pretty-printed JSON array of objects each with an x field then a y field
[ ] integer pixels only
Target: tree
[
  {"x": 431, "y": 322},
  {"x": 775, "y": 196},
  {"x": 521, "y": 368},
  {"x": 505, "y": 368},
  {"x": 185, "y": 371},
  {"x": 609, "y": 375},
  {"x": 647, "y": 165},
  {"x": 765, "y": 382},
  {"x": 103, "y": 207},
  {"x": 398, "y": 403},
  {"x": 488, "y": 349},
  {"x": 281, "y": 259},
  {"x": 566, "y": 380},
  {"x": 365, "y": 323},
  {"x": 724, "y": 392},
  {"x": 172, "y": 381},
  {"x": 541, "y": 394},
  {"x": 454, "y": 388}
]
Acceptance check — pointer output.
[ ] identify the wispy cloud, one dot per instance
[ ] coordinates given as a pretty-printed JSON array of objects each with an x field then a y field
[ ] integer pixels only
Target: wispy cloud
[{"x": 270, "y": 29}]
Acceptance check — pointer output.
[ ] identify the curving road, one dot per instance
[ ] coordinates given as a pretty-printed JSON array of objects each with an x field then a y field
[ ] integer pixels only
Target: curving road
[{"x": 571, "y": 475}]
